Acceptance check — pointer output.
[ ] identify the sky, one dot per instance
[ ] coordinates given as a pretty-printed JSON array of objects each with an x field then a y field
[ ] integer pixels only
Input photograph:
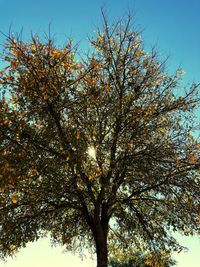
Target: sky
[{"x": 172, "y": 26}]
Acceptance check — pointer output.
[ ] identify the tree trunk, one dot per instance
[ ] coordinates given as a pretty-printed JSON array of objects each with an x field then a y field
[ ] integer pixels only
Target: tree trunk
[
  {"x": 101, "y": 237},
  {"x": 101, "y": 248}
]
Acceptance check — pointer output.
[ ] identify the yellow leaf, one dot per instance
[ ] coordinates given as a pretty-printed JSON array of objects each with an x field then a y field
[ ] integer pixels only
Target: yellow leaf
[
  {"x": 163, "y": 131},
  {"x": 55, "y": 52},
  {"x": 90, "y": 177},
  {"x": 92, "y": 81},
  {"x": 46, "y": 97},
  {"x": 78, "y": 135},
  {"x": 5, "y": 121},
  {"x": 34, "y": 172},
  {"x": 14, "y": 199},
  {"x": 107, "y": 88}
]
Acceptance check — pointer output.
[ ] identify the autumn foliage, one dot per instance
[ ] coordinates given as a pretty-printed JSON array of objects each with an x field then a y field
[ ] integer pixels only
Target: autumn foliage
[{"x": 100, "y": 150}]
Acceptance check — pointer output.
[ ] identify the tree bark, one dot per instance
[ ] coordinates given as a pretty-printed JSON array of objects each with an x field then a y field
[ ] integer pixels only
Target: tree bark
[
  {"x": 101, "y": 248},
  {"x": 101, "y": 237},
  {"x": 99, "y": 227}
]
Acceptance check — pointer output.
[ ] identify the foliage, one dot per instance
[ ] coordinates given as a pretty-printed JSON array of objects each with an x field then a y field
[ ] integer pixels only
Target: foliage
[
  {"x": 143, "y": 260},
  {"x": 96, "y": 150}
]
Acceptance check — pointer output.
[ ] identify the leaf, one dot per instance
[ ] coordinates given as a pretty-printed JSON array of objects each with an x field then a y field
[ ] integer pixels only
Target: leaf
[
  {"x": 5, "y": 122},
  {"x": 107, "y": 88},
  {"x": 78, "y": 135},
  {"x": 46, "y": 97},
  {"x": 190, "y": 137},
  {"x": 197, "y": 145},
  {"x": 55, "y": 52},
  {"x": 6, "y": 168},
  {"x": 193, "y": 159},
  {"x": 14, "y": 199},
  {"x": 90, "y": 177},
  {"x": 137, "y": 110}
]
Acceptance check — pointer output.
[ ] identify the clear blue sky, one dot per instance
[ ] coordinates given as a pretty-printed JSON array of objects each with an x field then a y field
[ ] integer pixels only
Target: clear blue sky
[{"x": 172, "y": 25}]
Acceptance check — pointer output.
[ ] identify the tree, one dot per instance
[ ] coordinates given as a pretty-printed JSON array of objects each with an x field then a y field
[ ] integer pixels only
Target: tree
[
  {"x": 96, "y": 150},
  {"x": 143, "y": 260}
]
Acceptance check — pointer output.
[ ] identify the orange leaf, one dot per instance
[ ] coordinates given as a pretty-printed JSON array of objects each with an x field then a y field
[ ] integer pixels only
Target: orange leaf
[
  {"x": 14, "y": 199},
  {"x": 78, "y": 135},
  {"x": 193, "y": 159},
  {"x": 55, "y": 52},
  {"x": 107, "y": 88}
]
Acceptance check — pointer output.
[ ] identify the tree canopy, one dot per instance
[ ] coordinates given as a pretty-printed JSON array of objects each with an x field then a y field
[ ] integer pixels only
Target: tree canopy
[
  {"x": 139, "y": 259},
  {"x": 98, "y": 149}
]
